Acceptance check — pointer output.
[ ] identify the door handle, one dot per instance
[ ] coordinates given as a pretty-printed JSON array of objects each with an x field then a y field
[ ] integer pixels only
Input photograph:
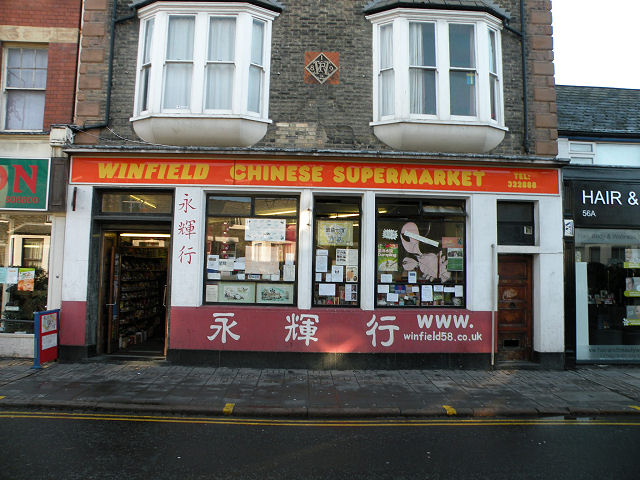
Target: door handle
[{"x": 164, "y": 297}]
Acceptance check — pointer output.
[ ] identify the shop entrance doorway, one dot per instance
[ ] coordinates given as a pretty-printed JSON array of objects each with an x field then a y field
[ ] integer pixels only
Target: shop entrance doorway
[
  {"x": 515, "y": 308},
  {"x": 133, "y": 294}
]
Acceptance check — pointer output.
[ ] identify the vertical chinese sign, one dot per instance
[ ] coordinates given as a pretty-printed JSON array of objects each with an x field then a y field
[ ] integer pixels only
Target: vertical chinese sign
[{"x": 187, "y": 238}]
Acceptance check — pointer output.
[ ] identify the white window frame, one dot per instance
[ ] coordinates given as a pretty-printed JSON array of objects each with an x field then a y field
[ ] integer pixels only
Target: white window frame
[
  {"x": 400, "y": 19},
  {"x": 244, "y": 15},
  {"x": 6, "y": 88}
]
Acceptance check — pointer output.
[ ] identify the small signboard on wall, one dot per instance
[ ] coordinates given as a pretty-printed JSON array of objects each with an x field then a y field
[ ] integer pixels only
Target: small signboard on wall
[{"x": 24, "y": 183}]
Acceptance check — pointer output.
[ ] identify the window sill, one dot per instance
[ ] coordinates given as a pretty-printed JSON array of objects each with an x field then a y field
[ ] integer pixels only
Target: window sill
[
  {"x": 200, "y": 130},
  {"x": 439, "y": 136}
]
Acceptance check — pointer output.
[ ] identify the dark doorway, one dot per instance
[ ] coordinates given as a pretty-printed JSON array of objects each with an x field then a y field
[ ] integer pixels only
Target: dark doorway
[{"x": 515, "y": 308}]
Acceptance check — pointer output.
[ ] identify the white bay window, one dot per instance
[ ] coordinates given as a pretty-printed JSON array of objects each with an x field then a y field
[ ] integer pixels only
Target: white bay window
[
  {"x": 203, "y": 73},
  {"x": 437, "y": 80}
]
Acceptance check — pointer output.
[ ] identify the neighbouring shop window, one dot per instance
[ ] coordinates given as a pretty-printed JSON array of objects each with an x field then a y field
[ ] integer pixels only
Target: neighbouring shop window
[
  {"x": 420, "y": 253},
  {"x": 608, "y": 294},
  {"x": 251, "y": 250},
  {"x": 24, "y": 258},
  {"x": 516, "y": 223},
  {"x": 136, "y": 202},
  {"x": 336, "y": 280}
]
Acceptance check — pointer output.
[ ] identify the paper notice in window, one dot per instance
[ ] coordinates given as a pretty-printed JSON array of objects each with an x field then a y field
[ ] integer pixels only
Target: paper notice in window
[
  {"x": 327, "y": 290},
  {"x": 337, "y": 273},
  {"x": 211, "y": 293},
  {"x": 383, "y": 288},
  {"x": 392, "y": 297},
  {"x": 427, "y": 293},
  {"x": 459, "y": 291},
  {"x": 386, "y": 278},
  {"x": 413, "y": 277},
  {"x": 321, "y": 263},
  {"x": 289, "y": 273}
]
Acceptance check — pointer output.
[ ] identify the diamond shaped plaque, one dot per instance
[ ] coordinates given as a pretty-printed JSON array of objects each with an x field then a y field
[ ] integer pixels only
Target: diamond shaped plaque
[{"x": 321, "y": 68}]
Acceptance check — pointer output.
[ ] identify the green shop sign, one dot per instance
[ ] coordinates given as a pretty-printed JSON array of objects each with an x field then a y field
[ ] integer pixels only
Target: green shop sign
[{"x": 24, "y": 183}]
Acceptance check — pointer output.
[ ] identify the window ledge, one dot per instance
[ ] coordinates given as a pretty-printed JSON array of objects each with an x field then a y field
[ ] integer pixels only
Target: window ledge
[
  {"x": 200, "y": 130},
  {"x": 439, "y": 136}
]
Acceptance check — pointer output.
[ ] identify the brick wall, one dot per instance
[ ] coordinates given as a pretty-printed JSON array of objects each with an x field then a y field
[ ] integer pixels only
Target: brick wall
[
  {"x": 60, "y": 83},
  {"x": 324, "y": 116},
  {"x": 41, "y": 13}
]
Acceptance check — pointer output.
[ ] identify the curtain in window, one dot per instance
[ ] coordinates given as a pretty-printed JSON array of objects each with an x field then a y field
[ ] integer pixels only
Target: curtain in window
[
  {"x": 220, "y": 65},
  {"x": 179, "y": 66},
  {"x": 146, "y": 66},
  {"x": 256, "y": 67},
  {"x": 493, "y": 74},
  {"x": 422, "y": 81},
  {"x": 386, "y": 84}
]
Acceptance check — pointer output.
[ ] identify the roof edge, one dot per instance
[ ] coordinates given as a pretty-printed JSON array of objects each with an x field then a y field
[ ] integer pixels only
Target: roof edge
[
  {"x": 371, "y": 8},
  {"x": 272, "y": 5}
]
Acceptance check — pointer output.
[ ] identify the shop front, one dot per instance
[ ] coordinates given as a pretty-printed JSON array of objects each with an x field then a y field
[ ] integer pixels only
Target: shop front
[
  {"x": 309, "y": 261},
  {"x": 605, "y": 250}
]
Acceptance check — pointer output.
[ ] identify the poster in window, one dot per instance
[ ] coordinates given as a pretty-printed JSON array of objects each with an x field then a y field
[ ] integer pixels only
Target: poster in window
[
  {"x": 335, "y": 233},
  {"x": 237, "y": 292},
  {"x": 387, "y": 257},
  {"x": 632, "y": 258},
  {"x": 281, "y": 293},
  {"x": 455, "y": 259},
  {"x": 347, "y": 256},
  {"x": 351, "y": 273},
  {"x": 26, "y": 279},
  {"x": 632, "y": 287},
  {"x": 265, "y": 230}
]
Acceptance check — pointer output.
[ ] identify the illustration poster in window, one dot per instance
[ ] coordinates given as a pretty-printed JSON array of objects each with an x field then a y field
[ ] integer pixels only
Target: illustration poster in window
[
  {"x": 387, "y": 257},
  {"x": 237, "y": 292},
  {"x": 26, "y": 279},
  {"x": 335, "y": 233},
  {"x": 274, "y": 293},
  {"x": 455, "y": 259}
]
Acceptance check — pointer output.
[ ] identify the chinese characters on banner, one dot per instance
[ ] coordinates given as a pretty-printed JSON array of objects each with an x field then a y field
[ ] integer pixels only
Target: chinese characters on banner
[{"x": 186, "y": 228}]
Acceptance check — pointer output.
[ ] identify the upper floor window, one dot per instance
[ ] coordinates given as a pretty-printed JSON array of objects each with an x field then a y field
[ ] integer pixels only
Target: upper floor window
[
  {"x": 437, "y": 68},
  {"x": 24, "y": 80},
  {"x": 582, "y": 152},
  {"x": 203, "y": 62}
]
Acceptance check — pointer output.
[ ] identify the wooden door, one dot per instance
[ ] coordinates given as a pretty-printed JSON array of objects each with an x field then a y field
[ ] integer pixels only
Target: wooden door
[{"x": 515, "y": 308}]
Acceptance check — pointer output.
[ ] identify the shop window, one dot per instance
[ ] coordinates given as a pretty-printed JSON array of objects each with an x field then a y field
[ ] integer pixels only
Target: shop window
[
  {"x": 516, "y": 223},
  {"x": 251, "y": 250},
  {"x": 144, "y": 203},
  {"x": 203, "y": 73},
  {"x": 420, "y": 253},
  {"x": 24, "y": 84},
  {"x": 437, "y": 80},
  {"x": 24, "y": 257},
  {"x": 336, "y": 280},
  {"x": 607, "y": 294}
]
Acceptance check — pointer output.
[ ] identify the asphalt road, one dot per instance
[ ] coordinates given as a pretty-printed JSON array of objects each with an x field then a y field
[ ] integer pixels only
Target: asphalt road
[{"x": 56, "y": 445}]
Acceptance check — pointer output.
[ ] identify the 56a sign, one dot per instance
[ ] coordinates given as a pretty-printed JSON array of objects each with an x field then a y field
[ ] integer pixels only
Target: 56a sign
[{"x": 24, "y": 183}]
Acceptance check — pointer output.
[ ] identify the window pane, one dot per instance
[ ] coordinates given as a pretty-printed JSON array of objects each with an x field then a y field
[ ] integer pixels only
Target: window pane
[
  {"x": 250, "y": 259},
  {"x": 386, "y": 93},
  {"x": 25, "y": 110},
  {"x": 219, "y": 86},
  {"x": 255, "y": 85},
  {"x": 423, "y": 91},
  {"x": 463, "y": 93},
  {"x": 419, "y": 257},
  {"x": 386, "y": 47},
  {"x": 257, "y": 37},
  {"x": 493, "y": 89},
  {"x": 148, "y": 37},
  {"x": 422, "y": 44},
  {"x": 281, "y": 207},
  {"x": 461, "y": 46},
  {"x": 144, "y": 88},
  {"x": 222, "y": 34},
  {"x": 492, "y": 52},
  {"x": 23, "y": 71},
  {"x": 180, "y": 38},
  {"x": 177, "y": 85},
  {"x": 337, "y": 252},
  {"x": 127, "y": 202},
  {"x": 230, "y": 206}
]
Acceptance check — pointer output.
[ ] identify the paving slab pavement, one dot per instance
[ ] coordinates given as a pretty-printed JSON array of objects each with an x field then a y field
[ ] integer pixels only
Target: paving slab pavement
[{"x": 161, "y": 387}]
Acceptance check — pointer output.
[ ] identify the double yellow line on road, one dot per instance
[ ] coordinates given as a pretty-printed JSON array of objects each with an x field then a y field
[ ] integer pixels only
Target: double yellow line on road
[{"x": 431, "y": 422}]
